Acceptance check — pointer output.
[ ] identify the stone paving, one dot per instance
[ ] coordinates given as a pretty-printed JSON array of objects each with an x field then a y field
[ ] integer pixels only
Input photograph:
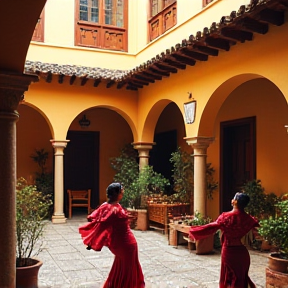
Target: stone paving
[{"x": 67, "y": 263}]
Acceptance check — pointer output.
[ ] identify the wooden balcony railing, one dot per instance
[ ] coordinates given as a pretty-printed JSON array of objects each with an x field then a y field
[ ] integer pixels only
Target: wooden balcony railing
[{"x": 163, "y": 21}]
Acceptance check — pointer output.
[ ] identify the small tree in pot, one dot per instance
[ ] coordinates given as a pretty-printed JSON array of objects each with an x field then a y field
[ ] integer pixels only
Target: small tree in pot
[
  {"x": 275, "y": 228},
  {"x": 32, "y": 208}
]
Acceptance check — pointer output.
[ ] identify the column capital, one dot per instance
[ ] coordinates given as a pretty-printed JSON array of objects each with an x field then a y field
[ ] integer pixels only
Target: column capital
[
  {"x": 143, "y": 145},
  {"x": 12, "y": 88},
  {"x": 59, "y": 143},
  {"x": 200, "y": 142}
]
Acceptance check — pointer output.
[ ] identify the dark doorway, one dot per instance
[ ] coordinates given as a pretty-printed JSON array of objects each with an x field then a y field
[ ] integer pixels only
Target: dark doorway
[
  {"x": 81, "y": 170},
  {"x": 238, "y": 160},
  {"x": 166, "y": 143}
]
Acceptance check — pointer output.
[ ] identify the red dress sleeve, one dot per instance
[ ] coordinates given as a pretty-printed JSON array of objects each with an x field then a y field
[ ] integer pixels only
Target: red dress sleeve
[
  {"x": 97, "y": 232},
  {"x": 201, "y": 232}
]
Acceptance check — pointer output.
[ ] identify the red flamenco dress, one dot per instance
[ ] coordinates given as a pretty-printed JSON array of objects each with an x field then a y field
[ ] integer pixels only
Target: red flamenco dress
[
  {"x": 235, "y": 258},
  {"x": 109, "y": 227}
]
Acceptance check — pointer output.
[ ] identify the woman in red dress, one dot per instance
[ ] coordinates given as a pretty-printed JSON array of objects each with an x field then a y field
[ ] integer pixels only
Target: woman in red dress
[
  {"x": 109, "y": 226},
  {"x": 235, "y": 258}
]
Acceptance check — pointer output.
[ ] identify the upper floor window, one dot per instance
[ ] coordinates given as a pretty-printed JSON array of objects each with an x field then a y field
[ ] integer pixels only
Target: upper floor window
[
  {"x": 206, "y": 2},
  {"x": 102, "y": 24},
  {"x": 163, "y": 16},
  {"x": 38, "y": 34}
]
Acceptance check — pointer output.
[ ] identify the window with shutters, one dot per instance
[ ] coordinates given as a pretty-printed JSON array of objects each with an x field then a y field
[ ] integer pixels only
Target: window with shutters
[
  {"x": 38, "y": 34},
  {"x": 102, "y": 24},
  {"x": 163, "y": 16},
  {"x": 206, "y": 2}
]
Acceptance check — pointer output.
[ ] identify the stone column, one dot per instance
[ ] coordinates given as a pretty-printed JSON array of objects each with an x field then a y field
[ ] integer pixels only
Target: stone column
[
  {"x": 143, "y": 152},
  {"x": 58, "y": 215},
  {"x": 12, "y": 88},
  {"x": 200, "y": 145}
]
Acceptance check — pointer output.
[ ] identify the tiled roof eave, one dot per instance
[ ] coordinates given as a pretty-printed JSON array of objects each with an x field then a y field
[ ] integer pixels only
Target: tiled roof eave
[{"x": 239, "y": 26}]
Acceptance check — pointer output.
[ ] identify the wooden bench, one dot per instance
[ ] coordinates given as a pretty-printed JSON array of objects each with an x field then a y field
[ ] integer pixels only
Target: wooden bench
[{"x": 79, "y": 198}]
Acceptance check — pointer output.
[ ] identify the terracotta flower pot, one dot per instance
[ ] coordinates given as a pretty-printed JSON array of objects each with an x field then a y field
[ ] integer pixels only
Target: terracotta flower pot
[
  {"x": 276, "y": 263},
  {"x": 27, "y": 277}
]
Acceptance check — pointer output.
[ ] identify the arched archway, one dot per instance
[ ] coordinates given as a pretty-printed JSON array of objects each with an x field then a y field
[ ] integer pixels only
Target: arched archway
[
  {"x": 88, "y": 153},
  {"x": 243, "y": 150}
]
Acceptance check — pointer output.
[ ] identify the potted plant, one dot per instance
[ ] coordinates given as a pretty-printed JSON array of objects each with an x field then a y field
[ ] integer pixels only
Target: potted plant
[
  {"x": 139, "y": 185},
  {"x": 32, "y": 208},
  {"x": 183, "y": 177},
  {"x": 43, "y": 179},
  {"x": 261, "y": 206},
  {"x": 275, "y": 230}
]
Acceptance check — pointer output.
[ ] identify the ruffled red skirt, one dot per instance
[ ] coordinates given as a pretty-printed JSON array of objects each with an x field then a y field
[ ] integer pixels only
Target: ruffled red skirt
[
  {"x": 235, "y": 263},
  {"x": 126, "y": 271}
]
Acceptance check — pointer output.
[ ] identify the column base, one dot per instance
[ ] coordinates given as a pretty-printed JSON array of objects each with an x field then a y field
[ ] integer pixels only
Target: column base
[{"x": 58, "y": 219}]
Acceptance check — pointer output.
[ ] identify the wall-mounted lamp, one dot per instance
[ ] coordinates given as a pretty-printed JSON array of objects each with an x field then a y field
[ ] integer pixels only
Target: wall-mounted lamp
[
  {"x": 286, "y": 127},
  {"x": 84, "y": 122}
]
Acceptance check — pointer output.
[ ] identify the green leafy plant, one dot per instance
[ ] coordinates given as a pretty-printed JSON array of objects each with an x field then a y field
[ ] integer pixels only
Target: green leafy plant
[
  {"x": 43, "y": 179},
  {"x": 261, "y": 205},
  {"x": 197, "y": 220},
  {"x": 138, "y": 185},
  {"x": 32, "y": 208},
  {"x": 127, "y": 171},
  {"x": 274, "y": 229},
  {"x": 183, "y": 176}
]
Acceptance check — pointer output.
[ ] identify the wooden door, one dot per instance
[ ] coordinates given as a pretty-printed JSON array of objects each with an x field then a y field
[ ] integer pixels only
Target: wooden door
[
  {"x": 81, "y": 169},
  {"x": 238, "y": 160},
  {"x": 166, "y": 143}
]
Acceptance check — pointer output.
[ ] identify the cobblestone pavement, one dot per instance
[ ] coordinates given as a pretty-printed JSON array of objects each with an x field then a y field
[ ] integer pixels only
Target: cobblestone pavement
[{"x": 67, "y": 263}]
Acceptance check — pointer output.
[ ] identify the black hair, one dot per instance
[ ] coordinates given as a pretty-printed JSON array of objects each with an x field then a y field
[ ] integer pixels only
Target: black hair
[
  {"x": 242, "y": 200},
  {"x": 113, "y": 190}
]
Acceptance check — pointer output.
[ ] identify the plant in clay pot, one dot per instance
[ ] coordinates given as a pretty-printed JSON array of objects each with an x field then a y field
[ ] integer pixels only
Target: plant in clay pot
[
  {"x": 261, "y": 206},
  {"x": 275, "y": 228},
  {"x": 183, "y": 177},
  {"x": 138, "y": 185},
  {"x": 32, "y": 208}
]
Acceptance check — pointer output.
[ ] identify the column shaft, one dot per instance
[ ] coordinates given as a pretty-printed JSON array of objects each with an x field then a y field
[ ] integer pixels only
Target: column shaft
[
  {"x": 7, "y": 199},
  {"x": 12, "y": 88},
  {"x": 200, "y": 145},
  {"x": 58, "y": 215}
]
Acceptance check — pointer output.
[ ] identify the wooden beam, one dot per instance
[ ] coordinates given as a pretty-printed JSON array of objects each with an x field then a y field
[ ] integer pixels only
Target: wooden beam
[
  {"x": 110, "y": 84},
  {"x": 205, "y": 49},
  {"x": 183, "y": 59},
  {"x": 218, "y": 43},
  {"x": 254, "y": 25},
  {"x": 166, "y": 67},
  {"x": 84, "y": 81},
  {"x": 194, "y": 55},
  {"x": 239, "y": 35},
  {"x": 139, "y": 81},
  {"x": 49, "y": 77},
  {"x": 144, "y": 78},
  {"x": 97, "y": 82},
  {"x": 154, "y": 71},
  {"x": 274, "y": 17},
  {"x": 121, "y": 84},
  {"x": 135, "y": 84},
  {"x": 151, "y": 74},
  {"x": 72, "y": 79},
  {"x": 175, "y": 63},
  {"x": 61, "y": 78}
]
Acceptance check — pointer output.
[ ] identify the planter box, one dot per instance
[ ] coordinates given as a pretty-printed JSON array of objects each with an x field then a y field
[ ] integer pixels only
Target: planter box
[
  {"x": 140, "y": 220},
  {"x": 203, "y": 246},
  {"x": 276, "y": 279},
  {"x": 158, "y": 214}
]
